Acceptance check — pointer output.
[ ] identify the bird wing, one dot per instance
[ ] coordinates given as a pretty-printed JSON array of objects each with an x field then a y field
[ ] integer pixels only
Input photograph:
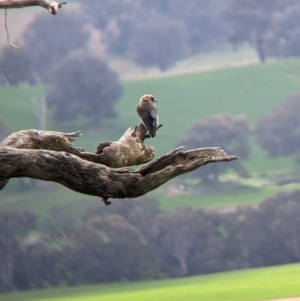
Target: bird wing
[
  {"x": 149, "y": 122},
  {"x": 154, "y": 115}
]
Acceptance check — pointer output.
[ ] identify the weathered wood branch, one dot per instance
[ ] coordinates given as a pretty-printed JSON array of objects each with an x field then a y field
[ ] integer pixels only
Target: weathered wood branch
[
  {"x": 50, "y": 5},
  {"x": 65, "y": 167},
  {"x": 99, "y": 180},
  {"x": 129, "y": 150}
]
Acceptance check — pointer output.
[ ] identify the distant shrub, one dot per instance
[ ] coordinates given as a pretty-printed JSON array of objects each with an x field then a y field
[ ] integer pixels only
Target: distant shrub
[
  {"x": 18, "y": 66},
  {"x": 84, "y": 85},
  {"x": 48, "y": 41}
]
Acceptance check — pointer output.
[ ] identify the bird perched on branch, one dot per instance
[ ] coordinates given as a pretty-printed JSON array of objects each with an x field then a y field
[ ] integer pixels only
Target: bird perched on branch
[{"x": 148, "y": 113}]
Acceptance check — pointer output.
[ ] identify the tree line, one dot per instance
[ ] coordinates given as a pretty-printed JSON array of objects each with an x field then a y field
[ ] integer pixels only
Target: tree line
[
  {"x": 154, "y": 33},
  {"x": 134, "y": 240},
  {"x": 277, "y": 134}
]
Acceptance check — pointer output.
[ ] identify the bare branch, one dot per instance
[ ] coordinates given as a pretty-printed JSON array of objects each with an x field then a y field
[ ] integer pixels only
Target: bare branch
[
  {"x": 86, "y": 177},
  {"x": 50, "y": 5},
  {"x": 6, "y": 29},
  {"x": 127, "y": 151},
  {"x": 5, "y": 73},
  {"x": 97, "y": 179}
]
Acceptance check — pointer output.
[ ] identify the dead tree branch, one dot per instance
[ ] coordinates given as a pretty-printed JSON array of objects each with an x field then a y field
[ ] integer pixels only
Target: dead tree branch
[
  {"x": 127, "y": 151},
  {"x": 6, "y": 29},
  {"x": 67, "y": 168},
  {"x": 5, "y": 73},
  {"x": 50, "y": 5}
]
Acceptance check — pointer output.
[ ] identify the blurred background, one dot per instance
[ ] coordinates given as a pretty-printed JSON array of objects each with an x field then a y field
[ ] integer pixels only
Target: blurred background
[{"x": 225, "y": 72}]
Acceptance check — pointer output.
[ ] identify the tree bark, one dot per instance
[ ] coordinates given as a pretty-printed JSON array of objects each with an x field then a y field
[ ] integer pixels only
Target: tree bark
[
  {"x": 129, "y": 150},
  {"x": 50, "y": 5},
  {"x": 80, "y": 171}
]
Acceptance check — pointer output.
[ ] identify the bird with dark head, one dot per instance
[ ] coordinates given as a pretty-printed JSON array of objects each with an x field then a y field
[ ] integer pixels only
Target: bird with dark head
[{"x": 147, "y": 111}]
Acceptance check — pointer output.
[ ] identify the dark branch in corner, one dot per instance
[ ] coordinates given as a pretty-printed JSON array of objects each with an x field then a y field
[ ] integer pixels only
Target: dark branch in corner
[
  {"x": 5, "y": 73},
  {"x": 6, "y": 29},
  {"x": 50, "y": 5}
]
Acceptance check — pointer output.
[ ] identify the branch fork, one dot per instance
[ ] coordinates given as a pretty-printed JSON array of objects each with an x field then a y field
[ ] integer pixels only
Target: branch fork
[{"x": 49, "y": 156}]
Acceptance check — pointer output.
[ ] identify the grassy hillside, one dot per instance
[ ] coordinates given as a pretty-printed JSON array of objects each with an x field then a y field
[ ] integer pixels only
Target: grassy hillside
[
  {"x": 247, "y": 285},
  {"x": 252, "y": 90},
  {"x": 18, "y": 105}
]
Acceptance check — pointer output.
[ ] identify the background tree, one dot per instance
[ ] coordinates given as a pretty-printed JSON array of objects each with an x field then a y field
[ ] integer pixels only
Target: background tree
[
  {"x": 176, "y": 235},
  {"x": 106, "y": 246},
  {"x": 232, "y": 132},
  {"x": 159, "y": 43},
  {"x": 15, "y": 226},
  {"x": 59, "y": 225},
  {"x": 202, "y": 25},
  {"x": 283, "y": 215},
  {"x": 140, "y": 213},
  {"x": 108, "y": 249},
  {"x": 180, "y": 28},
  {"x": 116, "y": 20},
  {"x": 103, "y": 13},
  {"x": 18, "y": 66},
  {"x": 251, "y": 21},
  {"x": 204, "y": 28},
  {"x": 99, "y": 89},
  {"x": 118, "y": 34},
  {"x": 48, "y": 41},
  {"x": 207, "y": 252},
  {"x": 284, "y": 41},
  {"x": 243, "y": 232},
  {"x": 279, "y": 133},
  {"x": 45, "y": 256},
  {"x": 40, "y": 265}
]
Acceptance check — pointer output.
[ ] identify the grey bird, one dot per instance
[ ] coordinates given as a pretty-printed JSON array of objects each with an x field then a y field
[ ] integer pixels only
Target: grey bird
[{"x": 148, "y": 113}]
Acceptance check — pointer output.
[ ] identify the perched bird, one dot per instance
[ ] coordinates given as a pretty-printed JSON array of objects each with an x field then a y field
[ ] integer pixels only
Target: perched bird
[{"x": 148, "y": 113}]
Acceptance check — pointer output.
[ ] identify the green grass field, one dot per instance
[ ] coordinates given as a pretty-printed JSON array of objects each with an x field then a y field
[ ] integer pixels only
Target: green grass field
[
  {"x": 219, "y": 200},
  {"x": 252, "y": 90},
  {"x": 246, "y": 285}
]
